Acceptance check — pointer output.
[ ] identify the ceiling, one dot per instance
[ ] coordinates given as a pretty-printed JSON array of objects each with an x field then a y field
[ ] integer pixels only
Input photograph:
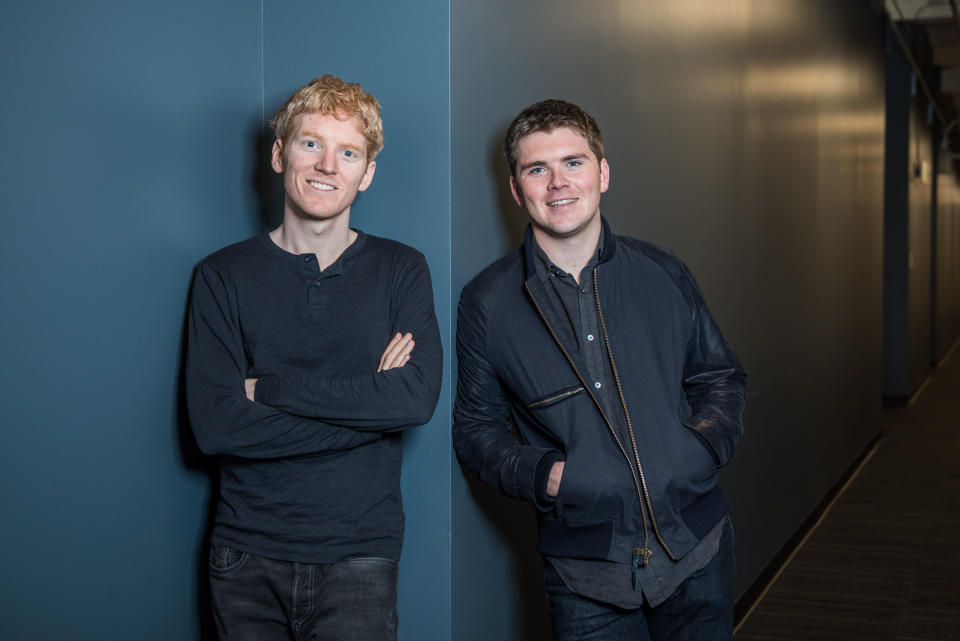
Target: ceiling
[{"x": 939, "y": 21}]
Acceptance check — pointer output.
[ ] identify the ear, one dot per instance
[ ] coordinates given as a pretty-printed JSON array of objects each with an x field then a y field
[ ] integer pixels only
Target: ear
[
  {"x": 367, "y": 176},
  {"x": 604, "y": 176},
  {"x": 276, "y": 156},
  {"x": 515, "y": 190}
]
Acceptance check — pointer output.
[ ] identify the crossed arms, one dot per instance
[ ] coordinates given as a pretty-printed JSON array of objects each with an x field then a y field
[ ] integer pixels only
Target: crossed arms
[{"x": 296, "y": 415}]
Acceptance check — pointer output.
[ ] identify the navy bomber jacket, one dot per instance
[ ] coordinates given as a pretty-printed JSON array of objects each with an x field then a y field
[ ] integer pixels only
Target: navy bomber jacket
[{"x": 681, "y": 386}]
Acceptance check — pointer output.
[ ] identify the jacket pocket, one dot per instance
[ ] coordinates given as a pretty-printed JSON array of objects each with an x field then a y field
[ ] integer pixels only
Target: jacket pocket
[
  {"x": 555, "y": 397},
  {"x": 707, "y": 466}
]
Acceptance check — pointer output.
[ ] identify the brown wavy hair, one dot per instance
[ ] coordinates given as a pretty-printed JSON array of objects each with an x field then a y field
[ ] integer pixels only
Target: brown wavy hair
[{"x": 546, "y": 116}]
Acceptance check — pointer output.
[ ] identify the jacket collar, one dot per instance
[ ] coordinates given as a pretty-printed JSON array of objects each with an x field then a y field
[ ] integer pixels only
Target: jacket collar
[{"x": 530, "y": 259}]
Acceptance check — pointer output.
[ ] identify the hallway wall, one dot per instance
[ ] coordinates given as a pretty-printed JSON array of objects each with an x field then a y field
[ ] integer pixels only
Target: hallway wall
[
  {"x": 134, "y": 148},
  {"x": 745, "y": 135},
  {"x": 907, "y": 231},
  {"x": 947, "y": 303}
]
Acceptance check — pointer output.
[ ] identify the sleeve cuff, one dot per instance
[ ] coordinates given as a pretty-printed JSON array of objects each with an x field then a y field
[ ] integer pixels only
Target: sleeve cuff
[{"x": 541, "y": 477}]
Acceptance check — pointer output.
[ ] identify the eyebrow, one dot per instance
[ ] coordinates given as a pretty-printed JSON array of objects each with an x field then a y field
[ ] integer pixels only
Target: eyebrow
[{"x": 538, "y": 163}]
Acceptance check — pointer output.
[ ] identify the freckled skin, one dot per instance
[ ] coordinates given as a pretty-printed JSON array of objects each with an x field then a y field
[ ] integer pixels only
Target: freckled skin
[{"x": 328, "y": 150}]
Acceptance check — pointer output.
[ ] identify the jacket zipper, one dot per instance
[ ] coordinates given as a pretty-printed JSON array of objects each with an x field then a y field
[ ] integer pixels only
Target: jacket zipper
[
  {"x": 555, "y": 397},
  {"x": 644, "y": 552},
  {"x": 633, "y": 440}
]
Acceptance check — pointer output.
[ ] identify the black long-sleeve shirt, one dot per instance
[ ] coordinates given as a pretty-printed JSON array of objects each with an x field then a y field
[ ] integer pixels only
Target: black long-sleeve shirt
[{"x": 310, "y": 471}]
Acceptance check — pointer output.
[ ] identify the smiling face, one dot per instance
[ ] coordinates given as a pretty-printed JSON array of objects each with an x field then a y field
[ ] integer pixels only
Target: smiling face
[
  {"x": 324, "y": 165},
  {"x": 559, "y": 181}
]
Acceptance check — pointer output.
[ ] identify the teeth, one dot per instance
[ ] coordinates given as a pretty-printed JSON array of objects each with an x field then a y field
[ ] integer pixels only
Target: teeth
[
  {"x": 321, "y": 186},
  {"x": 558, "y": 203}
]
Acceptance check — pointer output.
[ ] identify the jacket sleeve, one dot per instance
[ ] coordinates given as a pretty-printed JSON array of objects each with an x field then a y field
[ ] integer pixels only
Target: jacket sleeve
[
  {"x": 378, "y": 401},
  {"x": 713, "y": 379},
  {"x": 224, "y": 421},
  {"x": 482, "y": 427}
]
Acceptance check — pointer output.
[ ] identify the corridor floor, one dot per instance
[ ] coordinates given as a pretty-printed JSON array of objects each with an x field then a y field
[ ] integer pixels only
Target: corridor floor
[{"x": 885, "y": 561}]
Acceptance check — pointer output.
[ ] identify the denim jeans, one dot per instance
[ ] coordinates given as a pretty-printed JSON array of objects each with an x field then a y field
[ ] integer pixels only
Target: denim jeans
[
  {"x": 260, "y": 599},
  {"x": 700, "y": 610}
]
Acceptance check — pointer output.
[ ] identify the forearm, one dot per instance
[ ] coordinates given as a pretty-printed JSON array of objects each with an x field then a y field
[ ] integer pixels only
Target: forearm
[
  {"x": 387, "y": 400},
  {"x": 714, "y": 380},
  {"x": 225, "y": 422},
  {"x": 718, "y": 413},
  {"x": 483, "y": 435},
  {"x": 382, "y": 398},
  {"x": 494, "y": 455}
]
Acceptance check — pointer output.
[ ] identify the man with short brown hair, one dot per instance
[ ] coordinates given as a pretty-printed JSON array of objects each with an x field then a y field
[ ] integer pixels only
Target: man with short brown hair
[{"x": 600, "y": 352}]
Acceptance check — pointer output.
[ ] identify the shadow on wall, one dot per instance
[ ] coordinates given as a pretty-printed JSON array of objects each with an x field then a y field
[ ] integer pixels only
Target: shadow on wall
[
  {"x": 196, "y": 461},
  {"x": 514, "y": 217},
  {"x": 514, "y": 521},
  {"x": 516, "y": 528},
  {"x": 267, "y": 185}
]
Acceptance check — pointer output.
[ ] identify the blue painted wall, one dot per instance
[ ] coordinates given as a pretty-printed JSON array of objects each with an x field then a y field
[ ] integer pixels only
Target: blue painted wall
[
  {"x": 132, "y": 149},
  {"x": 399, "y": 52},
  {"x": 124, "y": 161}
]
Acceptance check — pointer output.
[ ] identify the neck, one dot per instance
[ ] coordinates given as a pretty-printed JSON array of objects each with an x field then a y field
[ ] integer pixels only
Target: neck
[
  {"x": 327, "y": 239},
  {"x": 570, "y": 254}
]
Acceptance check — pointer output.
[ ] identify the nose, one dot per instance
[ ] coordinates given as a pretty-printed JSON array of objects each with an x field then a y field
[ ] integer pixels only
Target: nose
[
  {"x": 326, "y": 162},
  {"x": 557, "y": 181}
]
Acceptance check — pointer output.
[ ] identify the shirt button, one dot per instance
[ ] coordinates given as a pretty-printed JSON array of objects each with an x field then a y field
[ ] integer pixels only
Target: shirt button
[
  {"x": 307, "y": 259},
  {"x": 589, "y": 337},
  {"x": 597, "y": 385},
  {"x": 316, "y": 283}
]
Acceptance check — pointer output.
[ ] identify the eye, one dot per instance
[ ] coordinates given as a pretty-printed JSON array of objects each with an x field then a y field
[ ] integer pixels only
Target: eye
[
  {"x": 574, "y": 163},
  {"x": 310, "y": 145},
  {"x": 536, "y": 171},
  {"x": 349, "y": 153}
]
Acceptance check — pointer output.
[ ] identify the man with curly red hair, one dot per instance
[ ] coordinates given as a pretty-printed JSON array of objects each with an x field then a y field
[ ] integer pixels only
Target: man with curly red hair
[{"x": 310, "y": 347}]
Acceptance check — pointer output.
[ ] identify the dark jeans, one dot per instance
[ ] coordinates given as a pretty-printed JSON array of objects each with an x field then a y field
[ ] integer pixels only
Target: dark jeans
[
  {"x": 260, "y": 599},
  {"x": 700, "y": 610}
]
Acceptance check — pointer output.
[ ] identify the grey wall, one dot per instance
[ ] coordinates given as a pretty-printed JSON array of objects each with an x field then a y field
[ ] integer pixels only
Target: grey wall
[
  {"x": 908, "y": 239},
  {"x": 919, "y": 213},
  {"x": 745, "y": 135},
  {"x": 947, "y": 264},
  {"x": 133, "y": 148}
]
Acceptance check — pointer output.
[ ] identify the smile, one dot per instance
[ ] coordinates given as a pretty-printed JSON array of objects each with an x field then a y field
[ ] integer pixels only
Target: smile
[
  {"x": 561, "y": 203},
  {"x": 320, "y": 186}
]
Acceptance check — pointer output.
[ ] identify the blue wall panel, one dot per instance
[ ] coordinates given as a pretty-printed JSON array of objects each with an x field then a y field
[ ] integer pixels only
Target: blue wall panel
[
  {"x": 399, "y": 53},
  {"x": 123, "y": 164},
  {"x": 134, "y": 148}
]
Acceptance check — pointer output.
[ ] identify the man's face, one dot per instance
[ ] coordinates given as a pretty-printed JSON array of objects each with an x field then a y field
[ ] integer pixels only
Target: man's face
[
  {"x": 324, "y": 165},
  {"x": 559, "y": 181}
]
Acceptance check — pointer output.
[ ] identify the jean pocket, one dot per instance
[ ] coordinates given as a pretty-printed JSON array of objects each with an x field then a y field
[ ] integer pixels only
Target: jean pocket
[{"x": 224, "y": 558}]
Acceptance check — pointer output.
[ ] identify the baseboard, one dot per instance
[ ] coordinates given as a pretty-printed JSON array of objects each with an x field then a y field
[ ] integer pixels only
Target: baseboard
[{"x": 745, "y": 604}]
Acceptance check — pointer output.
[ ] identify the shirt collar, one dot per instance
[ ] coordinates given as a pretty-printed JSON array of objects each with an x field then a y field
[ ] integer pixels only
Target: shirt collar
[{"x": 545, "y": 266}]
